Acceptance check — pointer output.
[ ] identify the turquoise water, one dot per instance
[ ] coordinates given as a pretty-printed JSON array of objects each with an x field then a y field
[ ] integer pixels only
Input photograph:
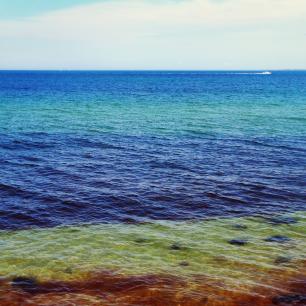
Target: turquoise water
[{"x": 150, "y": 103}]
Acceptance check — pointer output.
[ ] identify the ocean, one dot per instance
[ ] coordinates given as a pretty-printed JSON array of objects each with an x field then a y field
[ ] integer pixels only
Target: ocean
[{"x": 152, "y": 187}]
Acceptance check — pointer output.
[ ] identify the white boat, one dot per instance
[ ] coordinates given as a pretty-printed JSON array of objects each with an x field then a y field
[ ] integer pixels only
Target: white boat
[{"x": 266, "y": 72}]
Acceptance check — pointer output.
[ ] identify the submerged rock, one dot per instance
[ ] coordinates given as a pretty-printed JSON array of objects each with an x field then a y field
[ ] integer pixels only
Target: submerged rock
[
  {"x": 176, "y": 246},
  {"x": 239, "y": 242},
  {"x": 290, "y": 299},
  {"x": 220, "y": 259},
  {"x": 282, "y": 220},
  {"x": 239, "y": 226},
  {"x": 282, "y": 260},
  {"x": 141, "y": 240},
  {"x": 68, "y": 270},
  {"x": 278, "y": 239},
  {"x": 27, "y": 284}
]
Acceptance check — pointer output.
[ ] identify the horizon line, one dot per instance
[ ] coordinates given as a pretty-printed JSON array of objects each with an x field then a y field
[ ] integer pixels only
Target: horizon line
[{"x": 149, "y": 70}]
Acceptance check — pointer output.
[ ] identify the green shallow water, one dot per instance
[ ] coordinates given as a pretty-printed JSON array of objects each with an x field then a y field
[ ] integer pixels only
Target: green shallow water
[{"x": 200, "y": 248}]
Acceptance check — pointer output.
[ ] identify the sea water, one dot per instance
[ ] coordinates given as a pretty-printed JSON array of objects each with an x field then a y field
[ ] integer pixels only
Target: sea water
[{"x": 189, "y": 175}]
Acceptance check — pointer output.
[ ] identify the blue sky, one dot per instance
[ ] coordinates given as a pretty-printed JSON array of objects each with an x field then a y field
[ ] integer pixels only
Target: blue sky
[
  {"x": 153, "y": 34},
  {"x": 22, "y": 8}
]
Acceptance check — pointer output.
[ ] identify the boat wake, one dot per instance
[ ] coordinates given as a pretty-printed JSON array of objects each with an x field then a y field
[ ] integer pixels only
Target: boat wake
[{"x": 252, "y": 73}]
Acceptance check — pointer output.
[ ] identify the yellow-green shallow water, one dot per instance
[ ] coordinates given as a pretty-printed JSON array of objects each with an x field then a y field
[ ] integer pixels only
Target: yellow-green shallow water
[{"x": 176, "y": 248}]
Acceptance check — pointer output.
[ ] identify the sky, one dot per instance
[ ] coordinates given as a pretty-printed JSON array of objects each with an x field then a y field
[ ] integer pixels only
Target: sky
[{"x": 153, "y": 34}]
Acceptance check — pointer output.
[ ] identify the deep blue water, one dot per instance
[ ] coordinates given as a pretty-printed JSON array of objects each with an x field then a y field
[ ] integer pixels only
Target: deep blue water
[{"x": 83, "y": 147}]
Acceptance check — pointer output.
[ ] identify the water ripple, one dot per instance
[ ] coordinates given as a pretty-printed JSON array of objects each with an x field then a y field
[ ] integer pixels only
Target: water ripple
[{"x": 57, "y": 179}]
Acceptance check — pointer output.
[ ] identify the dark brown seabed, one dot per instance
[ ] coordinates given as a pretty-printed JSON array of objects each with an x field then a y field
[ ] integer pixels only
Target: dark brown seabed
[{"x": 109, "y": 288}]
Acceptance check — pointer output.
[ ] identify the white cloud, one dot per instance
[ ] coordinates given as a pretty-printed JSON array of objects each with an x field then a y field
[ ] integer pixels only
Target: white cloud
[{"x": 169, "y": 34}]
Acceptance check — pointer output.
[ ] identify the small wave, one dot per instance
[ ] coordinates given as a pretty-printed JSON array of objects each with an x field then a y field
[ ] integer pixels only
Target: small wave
[
  {"x": 15, "y": 191},
  {"x": 93, "y": 143},
  {"x": 17, "y": 144}
]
